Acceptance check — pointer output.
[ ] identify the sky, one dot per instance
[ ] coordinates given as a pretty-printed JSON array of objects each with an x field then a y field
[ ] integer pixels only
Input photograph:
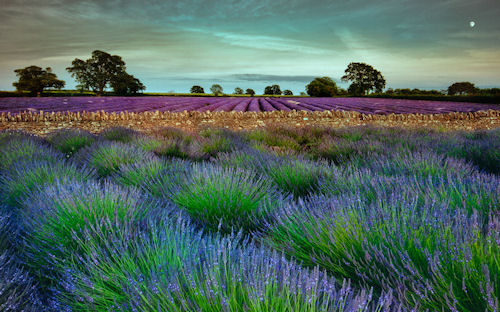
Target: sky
[{"x": 173, "y": 45}]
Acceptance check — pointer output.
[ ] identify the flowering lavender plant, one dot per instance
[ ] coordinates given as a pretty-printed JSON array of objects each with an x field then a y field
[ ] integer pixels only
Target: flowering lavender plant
[
  {"x": 436, "y": 257},
  {"x": 175, "y": 268},
  {"x": 70, "y": 141},
  {"x": 107, "y": 157}
]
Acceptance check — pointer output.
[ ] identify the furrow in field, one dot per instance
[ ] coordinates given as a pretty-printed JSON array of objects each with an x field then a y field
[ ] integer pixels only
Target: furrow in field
[
  {"x": 242, "y": 105},
  {"x": 211, "y": 105},
  {"x": 254, "y": 106},
  {"x": 296, "y": 105},
  {"x": 266, "y": 106},
  {"x": 278, "y": 105}
]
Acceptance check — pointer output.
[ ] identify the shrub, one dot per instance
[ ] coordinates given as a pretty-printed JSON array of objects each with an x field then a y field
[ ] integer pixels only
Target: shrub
[
  {"x": 422, "y": 164},
  {"x": 69, "y": 141},
  {"x": 6, "y": 229},
  {"x": 22, "y": 177},
  {"x": 481, "y": 149},
  {"x": 172, "y": 133},
  {"x": 173, "y": 268},
  {"x": 119, "y": 134},
  {"x": 26, "y": 149},
  {"x": 18, "y": 292},
  {"x": 298, "y": 177},
  {"x": 155, "y": 176},
  {"x": 228, "y": 198},
  {"x": 175, "y": 148},
  {"x": 214, "y": 145},
  {"x": 107, "y": 157},
  {"x": 248, "y": 158},
  {"x": 295, "y": 176},
  {"x": 7, "y": 136},
  {"x": 437, "y": 258},
  {"x": 147, "y": 143},
  {"x": 72, "y": 220},
  {"x": 273, "y": 139},
  {"x": 478, "y": 193}
]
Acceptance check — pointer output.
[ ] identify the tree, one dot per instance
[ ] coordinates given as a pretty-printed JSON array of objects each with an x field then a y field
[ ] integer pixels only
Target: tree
[
  {"x": 322, "y": 86},
  {"x": 250, "y": 91},
  {"x": 197, "y": 89},
  {"x": 35, "y": 79},
  {"x": 98, "y": 71},
  {"x": 272, "y": 90},
  {"x": 216, "y": 89},
  {"x": 355, "y": 89},
  {"x": 364, "y": 78},
  {"x": 287, "y": 92},
  {"x": 124, "y": 84},
  {"x": 461, "y": 88},
  {"x": 238, "y": 90}
]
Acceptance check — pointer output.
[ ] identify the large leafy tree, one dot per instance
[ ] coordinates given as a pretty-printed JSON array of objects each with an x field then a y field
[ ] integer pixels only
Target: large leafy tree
[
  {"x": 35, "y": 79},
  {"x": 287, "y": 92},
  {"x": 272, "y": 90},
  {"x": 124, "y": 83},
  {"x": 216, "y": 89},
  {"x": 249, "y": 91},
  {"x": 461, "y": 88},
  {"x": 197, "y": 89},
  {"x": 97, "y": 72},
  {"x": 322, "y": 86},
  {"x": 238, "y": 90},
  {"x": 364, "y": 78}
]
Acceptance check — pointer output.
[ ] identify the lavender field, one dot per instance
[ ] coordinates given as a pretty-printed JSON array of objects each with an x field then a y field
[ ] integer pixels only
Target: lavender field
[
  {"x": 275, "y": 219},
  {"x": 238, "y": 104}
]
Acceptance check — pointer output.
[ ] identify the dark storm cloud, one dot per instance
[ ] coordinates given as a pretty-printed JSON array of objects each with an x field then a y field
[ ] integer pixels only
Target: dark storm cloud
[{"x": 414, "y": 43}]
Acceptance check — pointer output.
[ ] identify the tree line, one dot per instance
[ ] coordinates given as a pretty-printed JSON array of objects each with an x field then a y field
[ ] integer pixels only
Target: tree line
[
  {"x": 216, "y": 89},
  {"x": 103, "y": 70}
]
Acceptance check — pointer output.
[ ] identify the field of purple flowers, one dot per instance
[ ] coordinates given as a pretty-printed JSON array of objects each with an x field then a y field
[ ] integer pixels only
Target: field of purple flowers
[
  {"x": 238, "y": 104},
  {"x": 276, "y": 219}
]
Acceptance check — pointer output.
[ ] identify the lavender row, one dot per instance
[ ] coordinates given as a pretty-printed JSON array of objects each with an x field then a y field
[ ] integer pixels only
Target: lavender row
[{"x": 178, "y": 104}]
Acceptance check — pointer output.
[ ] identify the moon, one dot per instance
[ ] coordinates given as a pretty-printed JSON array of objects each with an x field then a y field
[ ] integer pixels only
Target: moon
[{"x": 472, "y": 24}]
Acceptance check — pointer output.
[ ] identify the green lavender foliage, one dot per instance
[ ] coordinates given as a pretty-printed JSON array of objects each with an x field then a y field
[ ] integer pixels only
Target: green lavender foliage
[
  {"x": 59, "y": 225},
  {"x": 22, "y": 177},
  {"x": 438, "y": 258},
  {"x": 107, "y": 157},
  {"x": 175, "y": 268},
  {"x": 226, "y": 198},
  {"x": 70, "y": 141}
]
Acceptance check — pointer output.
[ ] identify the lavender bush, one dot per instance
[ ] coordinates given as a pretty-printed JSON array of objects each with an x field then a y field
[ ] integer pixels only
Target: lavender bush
[
  {"x": 70, "y": 141},
  {"x": 119, "y": 134},
  {"x": 353, "y": 219},
  {"x": 107, "y": 157},
  {"x": 226, "y": 198},
  {"x": 26, "y": 149},
  {"x": 158, "y": 177},
  {"x": 18, "y": 292},
  {"x": 174, "y": 268},
  {"x": 61, "y": 225},
  {"x": 435, "y": 257},
  {"x": 22, "y": 177}
]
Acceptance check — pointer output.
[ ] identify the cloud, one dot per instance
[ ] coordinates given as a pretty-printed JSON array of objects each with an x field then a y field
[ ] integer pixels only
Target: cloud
[
  {"x": 411, "y": 42},
  {"x": 271, "y": 78}
]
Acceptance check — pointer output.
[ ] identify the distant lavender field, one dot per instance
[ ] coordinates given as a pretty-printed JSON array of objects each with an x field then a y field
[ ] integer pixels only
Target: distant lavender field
[{"x": 239, "y": 104}]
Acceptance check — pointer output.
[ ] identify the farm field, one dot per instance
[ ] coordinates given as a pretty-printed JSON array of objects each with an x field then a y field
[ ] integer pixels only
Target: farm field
[
  {"x": 273, "y": 219},
  {"x": 238, "y": 104}
]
